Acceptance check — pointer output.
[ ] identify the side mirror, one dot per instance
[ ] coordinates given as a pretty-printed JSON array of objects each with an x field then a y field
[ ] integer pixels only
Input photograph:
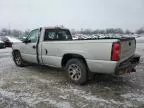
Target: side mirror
[{"x": 26, "y": 41}]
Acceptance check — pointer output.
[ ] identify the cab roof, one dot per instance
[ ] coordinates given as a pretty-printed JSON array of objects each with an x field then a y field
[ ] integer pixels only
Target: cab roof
[{"x": 62, "y": 28}]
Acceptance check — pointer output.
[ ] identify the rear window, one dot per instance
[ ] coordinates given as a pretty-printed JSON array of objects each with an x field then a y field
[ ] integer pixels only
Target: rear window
[{"x": 53, "y": 35}]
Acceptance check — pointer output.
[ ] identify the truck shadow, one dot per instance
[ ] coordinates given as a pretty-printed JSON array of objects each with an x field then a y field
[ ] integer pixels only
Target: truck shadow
[
  {"x": 106, "y": 86},
  {"x": 106, "y": 79}
]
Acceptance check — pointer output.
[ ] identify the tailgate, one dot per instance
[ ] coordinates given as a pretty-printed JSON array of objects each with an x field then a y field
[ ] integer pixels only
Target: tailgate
[{"x": 128, "y": 46}]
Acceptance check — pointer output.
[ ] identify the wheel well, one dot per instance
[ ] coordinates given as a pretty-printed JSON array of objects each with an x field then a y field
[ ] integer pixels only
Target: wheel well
[
  {"x": 67, "y": 57},
  {"x": 14, "y": 51}
]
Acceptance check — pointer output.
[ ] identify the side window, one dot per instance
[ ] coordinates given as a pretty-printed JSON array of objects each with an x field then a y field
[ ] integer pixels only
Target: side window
[
  {"x": 64, "y": 35},
  {"x": 50, "y": 35},
  {"x": 33, "y": 36}
]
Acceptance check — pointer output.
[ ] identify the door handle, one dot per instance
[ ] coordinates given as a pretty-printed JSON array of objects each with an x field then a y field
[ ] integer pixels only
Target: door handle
[
  {"x": 34, "y": 47},
  {"x": 46, "y": 51}
]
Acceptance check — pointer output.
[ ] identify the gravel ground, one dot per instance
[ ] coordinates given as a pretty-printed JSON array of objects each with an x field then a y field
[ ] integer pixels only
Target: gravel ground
[{"x": 43, "y": 87}]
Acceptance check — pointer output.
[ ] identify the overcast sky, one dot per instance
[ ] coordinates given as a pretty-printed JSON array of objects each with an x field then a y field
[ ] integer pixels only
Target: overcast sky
[{"x": 94, "y": 14}]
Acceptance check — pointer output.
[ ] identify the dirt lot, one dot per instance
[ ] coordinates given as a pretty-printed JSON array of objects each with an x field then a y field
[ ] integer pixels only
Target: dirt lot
[{"x": 43, "y": 87}]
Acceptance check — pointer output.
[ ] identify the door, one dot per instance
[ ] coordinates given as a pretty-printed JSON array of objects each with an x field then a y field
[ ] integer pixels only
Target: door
[
  {"x": 29, "y": 49},
  {"x": 52, "y": 46}
]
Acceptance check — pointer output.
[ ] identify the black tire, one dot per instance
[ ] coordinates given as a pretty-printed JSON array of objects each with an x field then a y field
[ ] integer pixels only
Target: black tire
[
  {"x": 18, "y": 59},
  {"x": 77, "y": 71}
]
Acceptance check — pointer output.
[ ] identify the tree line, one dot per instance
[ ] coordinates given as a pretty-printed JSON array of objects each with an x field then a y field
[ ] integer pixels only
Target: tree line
[
  {"x": 13, "y": 32},
  {"x": 19, "y": 33}
]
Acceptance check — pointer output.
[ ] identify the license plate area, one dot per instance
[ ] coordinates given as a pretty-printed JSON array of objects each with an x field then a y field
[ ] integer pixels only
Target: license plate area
[
  {"x": 128, "y": 66},
  {"x": 125, "y": 71}
]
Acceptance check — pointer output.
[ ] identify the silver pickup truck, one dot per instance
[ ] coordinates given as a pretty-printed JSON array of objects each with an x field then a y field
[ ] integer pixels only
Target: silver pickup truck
[{"x": 55, "y": 47}]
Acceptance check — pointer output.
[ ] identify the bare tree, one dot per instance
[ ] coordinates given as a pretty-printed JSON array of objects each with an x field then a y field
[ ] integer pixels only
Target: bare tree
[
  {"x": 128, "y": 32},
  {"x": 140, "y": 31}
]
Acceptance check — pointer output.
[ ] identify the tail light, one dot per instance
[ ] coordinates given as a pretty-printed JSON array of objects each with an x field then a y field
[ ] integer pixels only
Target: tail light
[{"x": 115, "y": 56}]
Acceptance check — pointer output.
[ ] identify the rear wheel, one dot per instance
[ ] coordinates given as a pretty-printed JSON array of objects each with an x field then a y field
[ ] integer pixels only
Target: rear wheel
[
  {"x": 77, "y": 71},
  {"x": 18, "y": 59}
]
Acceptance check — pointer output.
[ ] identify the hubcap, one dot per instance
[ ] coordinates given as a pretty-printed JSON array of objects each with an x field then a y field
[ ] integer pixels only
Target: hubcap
[
  {"x": 74, "y": 71},
  {"x": 17, "y": 59}
]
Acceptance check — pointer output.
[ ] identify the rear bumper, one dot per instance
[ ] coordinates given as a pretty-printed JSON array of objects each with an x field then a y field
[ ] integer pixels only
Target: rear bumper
[
  {"x": 113, "y": 67},
  {"x": 127, "y": 66}
]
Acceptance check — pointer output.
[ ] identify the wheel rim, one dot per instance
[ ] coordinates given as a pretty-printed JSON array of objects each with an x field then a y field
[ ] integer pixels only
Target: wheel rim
[
  {"x": 74, "y": 72},
  {"x": 18, "y": 59}
]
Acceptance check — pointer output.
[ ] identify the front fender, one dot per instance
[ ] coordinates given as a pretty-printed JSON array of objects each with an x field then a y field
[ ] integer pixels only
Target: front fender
[{"x": 16, "y": 46}]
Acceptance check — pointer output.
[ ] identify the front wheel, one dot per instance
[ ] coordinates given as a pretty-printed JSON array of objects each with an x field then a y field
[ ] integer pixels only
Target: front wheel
[
  {"x": 18, "y": 59},
  {"x": 77, "y": 71}
]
